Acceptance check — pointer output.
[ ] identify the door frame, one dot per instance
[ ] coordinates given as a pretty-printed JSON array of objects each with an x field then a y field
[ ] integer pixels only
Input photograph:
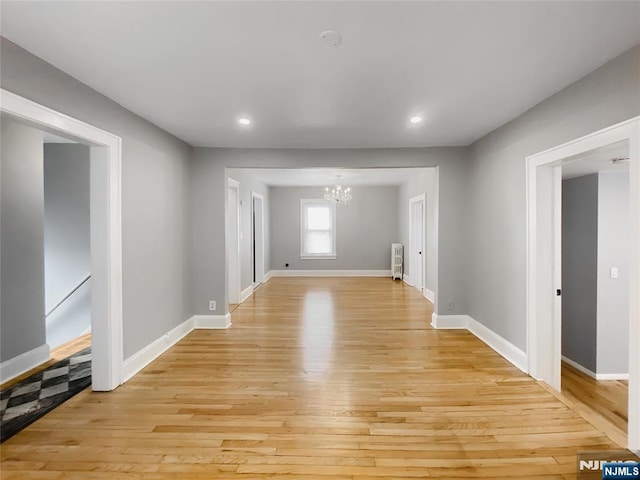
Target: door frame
[
  {"x": 106, "y": 230},
  {"x": 412, "y": 260},
  {"x": 259, "y": 260},
  {"x": 542, "y": 313},
  {"x": 234, "y": 291}
]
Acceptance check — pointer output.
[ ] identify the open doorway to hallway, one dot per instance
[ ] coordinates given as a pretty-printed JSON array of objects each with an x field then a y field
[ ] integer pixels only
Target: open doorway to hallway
[
  {"x": 382, "y": 211},
  {"x": 67, "y": 241},
  {"x": 23, "y": 325},
  {"x": 545, "y": 283},
  {"x": 595, "y": 284}
]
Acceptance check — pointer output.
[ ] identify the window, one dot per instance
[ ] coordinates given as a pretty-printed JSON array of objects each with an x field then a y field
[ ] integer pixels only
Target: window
[{"x": 317, "y": 229}]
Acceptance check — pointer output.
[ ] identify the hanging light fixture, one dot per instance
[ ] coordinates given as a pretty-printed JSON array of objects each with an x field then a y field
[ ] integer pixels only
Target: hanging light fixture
[{"x": 338, "y": 194}]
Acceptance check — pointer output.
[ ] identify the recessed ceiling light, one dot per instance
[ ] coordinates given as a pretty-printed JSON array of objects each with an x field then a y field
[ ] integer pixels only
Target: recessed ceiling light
[
  {"x": 244, "y": 121},
  {"x": 416, "y": 119}
]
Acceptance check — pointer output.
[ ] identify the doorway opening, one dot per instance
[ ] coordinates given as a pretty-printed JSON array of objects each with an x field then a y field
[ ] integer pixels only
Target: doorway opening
[
  {"x": 595, "y": 284},
  {"x": 233, "y": 241},
  {"x": 105, "y": 243},
  {"x": 417, "y": 254},
  {"x": 257, "y": 228},
  {"x": 67, "y": 246},
  {"x": 545, "y": 286}
]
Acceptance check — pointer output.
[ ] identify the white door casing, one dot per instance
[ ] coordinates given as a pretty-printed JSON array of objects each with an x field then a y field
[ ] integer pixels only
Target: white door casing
[
  {"x": 106, "y": 230},
  {"x": 544, "y": 260}
]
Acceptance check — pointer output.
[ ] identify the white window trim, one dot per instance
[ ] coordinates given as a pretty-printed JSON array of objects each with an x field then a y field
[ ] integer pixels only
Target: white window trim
[{"x": 319, "y": 256}]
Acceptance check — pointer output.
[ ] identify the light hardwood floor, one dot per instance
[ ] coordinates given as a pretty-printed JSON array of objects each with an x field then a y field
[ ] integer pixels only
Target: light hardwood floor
[
  {"x": 606, "y": 402},
  {"x": 318, "y": 378}
]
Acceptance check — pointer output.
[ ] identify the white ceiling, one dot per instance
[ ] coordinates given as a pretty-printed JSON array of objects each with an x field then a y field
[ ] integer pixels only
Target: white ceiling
[
  {"x": 597, "y": 160},
  {"x": 322, "y": 177},
  {"x": 194, "y": 68}
]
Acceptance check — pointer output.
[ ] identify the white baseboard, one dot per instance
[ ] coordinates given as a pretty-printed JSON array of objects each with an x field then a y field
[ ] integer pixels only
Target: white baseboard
[
  {"x": 579, "y": 367},
  {"x": 612, "y": 376},
  {"x": 449, "y": 322},
  {"x": 429, "y": 295},
  {"x": 148, "y": 354},
  {"x": 407, "y": 279},
  {"x": 267, "y": 276},
  {"x": 331, "y": 273},
  {"x": 246, "y": 293},
  {"x": 211, "y": 321},
  {"x": 503, "y": 347},
  {"x": 24, "y": 362},
  {"x": 594, "y": 375}
]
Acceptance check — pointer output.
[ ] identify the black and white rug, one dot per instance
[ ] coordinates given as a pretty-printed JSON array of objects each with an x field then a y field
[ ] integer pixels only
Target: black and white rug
[{"x": 26, "y": 401}]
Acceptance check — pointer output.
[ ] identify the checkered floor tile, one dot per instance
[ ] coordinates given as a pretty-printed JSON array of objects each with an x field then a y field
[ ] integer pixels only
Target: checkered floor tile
[{"x": 30, "y": 399}]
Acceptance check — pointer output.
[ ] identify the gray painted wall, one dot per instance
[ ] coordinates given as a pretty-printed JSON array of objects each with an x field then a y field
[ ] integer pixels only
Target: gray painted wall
[
  {"x": 67, "y": 249},
  {"x": 208, "y": 189},
  {"x": 156, "y": 209},
  {"x": 425, "y": 181},
  {"x": 495, "y": 264},
  {"x": 22, "y": 256},
  {"x": 580, "y": 269},
  {"x": 249, "y": 184},
  {"x": 365, "y": 229},
  {"x": 613, "y": 294}
]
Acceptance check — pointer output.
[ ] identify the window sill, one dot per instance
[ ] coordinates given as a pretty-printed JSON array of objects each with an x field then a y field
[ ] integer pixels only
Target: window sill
[{"x": 317, "y": 257}]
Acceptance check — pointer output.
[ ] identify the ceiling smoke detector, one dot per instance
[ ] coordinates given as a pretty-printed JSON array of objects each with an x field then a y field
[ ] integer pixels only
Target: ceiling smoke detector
[{"x": 331, "y": 38}]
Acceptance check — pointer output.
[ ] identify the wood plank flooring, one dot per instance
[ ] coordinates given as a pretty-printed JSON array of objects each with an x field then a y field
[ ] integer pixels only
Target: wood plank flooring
[
  {"x": 605, "y": 402},
  {"x": 318, "y": 378}
]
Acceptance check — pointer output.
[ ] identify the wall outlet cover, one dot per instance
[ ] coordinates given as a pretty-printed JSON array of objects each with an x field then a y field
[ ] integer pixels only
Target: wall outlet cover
[{"x": 212, "y": 305}]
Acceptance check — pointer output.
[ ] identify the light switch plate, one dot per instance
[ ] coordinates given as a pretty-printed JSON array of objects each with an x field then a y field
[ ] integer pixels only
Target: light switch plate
[{"x": 614, "y": 272}]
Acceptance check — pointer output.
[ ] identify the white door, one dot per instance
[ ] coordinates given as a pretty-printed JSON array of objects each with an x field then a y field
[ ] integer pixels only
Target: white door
[
  {"x": 233, "y": 243},
  {"x": 258, "y": 239},
  {"x": 557, "y": 278},
  {"x": 417, "y": 253}
]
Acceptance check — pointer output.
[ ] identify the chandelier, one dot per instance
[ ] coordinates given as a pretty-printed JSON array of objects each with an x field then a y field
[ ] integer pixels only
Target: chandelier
[{"x": 338, "y": 194}]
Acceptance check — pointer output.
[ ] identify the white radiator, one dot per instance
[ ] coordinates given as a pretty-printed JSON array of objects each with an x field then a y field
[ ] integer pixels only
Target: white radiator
[{"x": 396, "y": 260}]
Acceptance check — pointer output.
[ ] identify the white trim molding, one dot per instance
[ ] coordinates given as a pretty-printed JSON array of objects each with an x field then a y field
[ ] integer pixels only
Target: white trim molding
[
  {"x": 594, "y": 375},
  {"x": 580, "y": 368},
  {"x": 407, "y": 279},
  {"x": 501, "y": 346},
  {"x": 543, "y": 318},
  {"x": 267, "y": 276},
  {"x": 139, "y": 360},
  {"x": 330, "y": 273},
  {"x": 10, "y": 369},
  {"x": 211, "y": 322},
  {"x": 449, "y": 322},
  {"x": 246, "y": 293},
  {"x": 429, "y": 295},
  {"x": 148, "y": 354},
  {"x": 106, "y": 230},
  {"x": 612, "y": 376},
  {"x": 504, "y": 347}
]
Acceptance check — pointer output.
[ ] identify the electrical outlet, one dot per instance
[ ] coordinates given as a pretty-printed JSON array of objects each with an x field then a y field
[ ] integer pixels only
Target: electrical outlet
[
  {"x": 212, "y": 305},
  {"x": 450, "y": 305}
]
